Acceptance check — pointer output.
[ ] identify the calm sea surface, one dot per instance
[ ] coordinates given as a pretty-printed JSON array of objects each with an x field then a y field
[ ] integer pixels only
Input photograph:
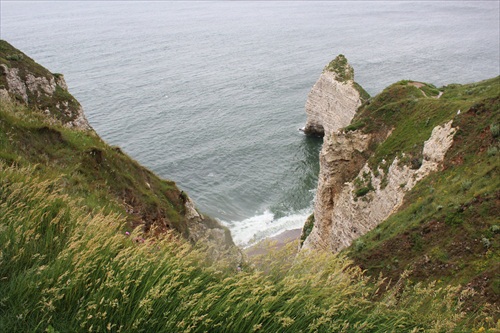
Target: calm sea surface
[{"x": 211, "y": 94}]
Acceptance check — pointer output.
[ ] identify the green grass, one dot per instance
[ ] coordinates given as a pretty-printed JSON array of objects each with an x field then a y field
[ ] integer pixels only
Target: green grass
[
  {"x": 341, "y": 68},
  {"x": 354, "y": 126},
  {"x": 12, "y": 57},
  {"x": 65, "y": 270},
  {"x": 68, "y": 266},
  {"x": 441, "y": 230},
  {"x": 362, "y": 191},
  {"x": 306, "y": 230},
  {"x": 363, "y": 94},
  {"x": 430, "y": 90},
  {"x": 87, "y": 167},
  {"x": 67, "y": 200},
  {"x": 404, "y": 111}
]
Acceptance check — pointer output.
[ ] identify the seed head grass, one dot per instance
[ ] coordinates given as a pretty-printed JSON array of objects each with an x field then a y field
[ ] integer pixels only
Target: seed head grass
[{"x": 67, "y": 270}]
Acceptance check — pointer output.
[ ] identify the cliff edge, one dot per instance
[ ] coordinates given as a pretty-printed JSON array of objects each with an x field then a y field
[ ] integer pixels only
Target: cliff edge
[
  {"x": 411, "y": 182},
  {"x": 352, "y": 200},
  {"x": 23, "y": 80}
]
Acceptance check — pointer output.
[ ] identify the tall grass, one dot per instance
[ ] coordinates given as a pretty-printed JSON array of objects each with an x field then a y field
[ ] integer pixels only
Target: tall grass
[{"x": 65, "y": 270}]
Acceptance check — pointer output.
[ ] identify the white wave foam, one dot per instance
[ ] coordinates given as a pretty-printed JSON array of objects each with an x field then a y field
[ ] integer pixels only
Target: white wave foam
[{"x": 256, "y": 228}]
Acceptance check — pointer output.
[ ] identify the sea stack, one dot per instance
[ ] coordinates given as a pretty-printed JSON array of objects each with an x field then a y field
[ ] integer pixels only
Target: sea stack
[{"x": 334, "y": 99}]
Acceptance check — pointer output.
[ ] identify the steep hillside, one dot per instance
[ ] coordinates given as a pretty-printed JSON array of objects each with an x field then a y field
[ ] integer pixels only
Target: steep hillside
[
  {"x": 412, "y": 184},
  {"x": 65, "y": 270},
  {"x": 448, "y": 226},
  {"x": 42, "y": 124},
  {"x": 32, "y": 84}
]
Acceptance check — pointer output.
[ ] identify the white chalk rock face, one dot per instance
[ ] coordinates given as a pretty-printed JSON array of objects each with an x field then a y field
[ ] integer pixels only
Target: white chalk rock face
[
  {"x": 351, "y": 198},
  {"x": 48, "y": 93},
  {"x": 340, "y": 215},
  {"x": 333, "y": 100}
]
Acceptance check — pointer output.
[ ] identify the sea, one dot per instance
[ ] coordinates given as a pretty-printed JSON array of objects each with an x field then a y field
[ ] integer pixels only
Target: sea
[{"x": 211, "y": 94}]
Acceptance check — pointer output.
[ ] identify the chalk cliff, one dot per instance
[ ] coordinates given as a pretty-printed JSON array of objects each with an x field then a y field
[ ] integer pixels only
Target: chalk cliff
[
  {"x": 354, "y": 193},
  {"x": 342, "y": 211},
  {"x": 333, "y": 100}
]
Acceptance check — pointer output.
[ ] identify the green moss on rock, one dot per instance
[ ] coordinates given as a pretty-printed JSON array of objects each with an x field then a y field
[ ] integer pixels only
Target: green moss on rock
[
  {"x": 306, "y": 230},
  {"x": 341, "y": 68}
]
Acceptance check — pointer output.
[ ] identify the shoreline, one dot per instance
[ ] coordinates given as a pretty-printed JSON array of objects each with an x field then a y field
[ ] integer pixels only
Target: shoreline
[{"x": 277, "y": 242}]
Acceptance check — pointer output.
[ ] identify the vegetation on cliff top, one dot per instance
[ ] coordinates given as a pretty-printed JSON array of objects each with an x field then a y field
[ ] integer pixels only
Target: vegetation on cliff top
[
  {"x": 341, "y": 68},
  {"x": 344, "y": 72},
  {"x": 13, "y": 58},
  {"x": 65, "y": 270},
  {"x": 448, "y": 227}
]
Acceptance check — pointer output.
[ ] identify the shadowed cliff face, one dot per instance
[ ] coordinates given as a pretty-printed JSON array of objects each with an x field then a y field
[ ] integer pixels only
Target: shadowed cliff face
[{"x": 340, "y": 159}]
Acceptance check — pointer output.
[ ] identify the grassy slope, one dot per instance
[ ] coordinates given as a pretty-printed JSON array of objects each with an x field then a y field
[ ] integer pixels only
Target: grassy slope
[
  {"x": 64, "y": 270},
  {"x": 448, "y": 228},
  {"x": 103, "y": 176},
  {"x": 12, "y": 57},
  {"x": 88, "y": 168},
  {"x": 66, "y": 199}
]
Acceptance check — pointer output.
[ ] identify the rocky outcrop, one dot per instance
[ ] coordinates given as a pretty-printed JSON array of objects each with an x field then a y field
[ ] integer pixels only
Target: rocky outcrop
[
  {"x": 22, "y": 79},
  {"x": 209, "y": 233},
  {"x": 333, "y": 100},
  {"x": 15, "y": 85},
  {"x": 200, "y": 227},
  {"x": 352, "y": 199}
]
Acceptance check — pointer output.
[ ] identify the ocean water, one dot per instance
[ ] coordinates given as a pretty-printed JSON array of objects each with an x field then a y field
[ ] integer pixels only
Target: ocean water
[{"x": 211, "y": 94}]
